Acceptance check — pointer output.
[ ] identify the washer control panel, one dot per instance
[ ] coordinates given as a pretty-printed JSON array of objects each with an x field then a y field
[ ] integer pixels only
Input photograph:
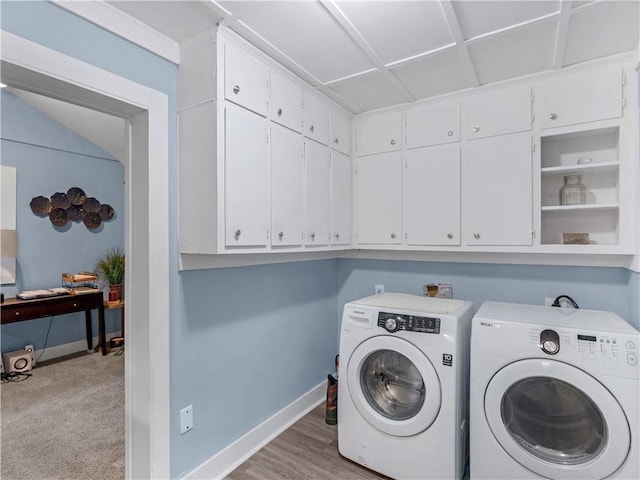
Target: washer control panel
[{"x": 392, "y": 322}]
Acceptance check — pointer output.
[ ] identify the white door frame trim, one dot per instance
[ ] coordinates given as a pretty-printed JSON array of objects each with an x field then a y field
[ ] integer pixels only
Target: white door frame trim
[{"x": 36, "y": 68}]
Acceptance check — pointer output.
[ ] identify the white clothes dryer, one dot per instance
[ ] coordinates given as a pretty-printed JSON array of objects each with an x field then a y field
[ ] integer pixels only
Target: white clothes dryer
[
  {"x": 403, "y": 385},
  {"x": 554, "y": 394}
]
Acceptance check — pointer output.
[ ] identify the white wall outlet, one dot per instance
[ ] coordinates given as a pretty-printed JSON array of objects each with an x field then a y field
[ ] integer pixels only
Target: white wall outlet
[
  {"x": 379, "y": 289},
  {"x": 548, "y": 301},
  {"x": 186, "y": 419}
]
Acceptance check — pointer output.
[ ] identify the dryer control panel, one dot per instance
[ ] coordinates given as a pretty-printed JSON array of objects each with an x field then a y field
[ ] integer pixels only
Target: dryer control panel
[{"x": 392, "y": 322}]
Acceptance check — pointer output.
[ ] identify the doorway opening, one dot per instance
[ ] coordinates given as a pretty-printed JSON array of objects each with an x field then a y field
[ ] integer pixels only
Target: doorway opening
[{"x": 34, "y": 68}]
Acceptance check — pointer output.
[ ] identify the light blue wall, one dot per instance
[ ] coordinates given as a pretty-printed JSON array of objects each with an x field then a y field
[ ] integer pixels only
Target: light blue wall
[
  {"x": 253, "y": 340},
  {"x": 50, "y": 158},
  {"x": 592, "y": 288}
]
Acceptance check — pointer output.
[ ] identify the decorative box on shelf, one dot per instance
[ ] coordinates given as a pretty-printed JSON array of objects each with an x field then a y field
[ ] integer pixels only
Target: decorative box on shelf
[{"x": 78, "y": 280}]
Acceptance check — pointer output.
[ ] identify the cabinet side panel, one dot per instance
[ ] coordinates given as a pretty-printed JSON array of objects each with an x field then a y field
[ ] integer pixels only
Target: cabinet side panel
[{"x": 197, "y": 179}]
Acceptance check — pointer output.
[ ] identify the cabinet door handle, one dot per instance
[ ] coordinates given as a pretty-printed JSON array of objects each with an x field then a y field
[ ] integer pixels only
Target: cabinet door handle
[
  {"x": 279, "y": 112},
  {"x": 236, "y": 89},
  {"x": 393, "y": 142},
  {"x": 311, "y": 129},
  {"x": 236, "y": 235},
  {"x": 450, "y": 132},
  {"x": 313, "y": 236},
  {"x": 476, "y": 235},
  {"x": 476, "y": 128},
  {"x": 449, "y": 236},
  {"x": 280, "y": 236},
  {"x": 553, "y": 116},
  {"x": 336, "y": 141},
  {"x": 17, "y": 314},
  {"x": 393, "y": 235},
  {"x": 337, "y": 236}
]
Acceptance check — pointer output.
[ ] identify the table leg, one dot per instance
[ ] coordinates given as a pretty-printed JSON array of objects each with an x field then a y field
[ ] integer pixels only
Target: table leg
[
  {"x": 101, "y": 330},
  {"x": 87, "y": 318}
]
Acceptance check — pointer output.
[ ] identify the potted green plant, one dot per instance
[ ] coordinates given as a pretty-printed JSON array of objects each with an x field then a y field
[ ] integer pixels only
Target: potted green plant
[{"x": 111, "y": 268}]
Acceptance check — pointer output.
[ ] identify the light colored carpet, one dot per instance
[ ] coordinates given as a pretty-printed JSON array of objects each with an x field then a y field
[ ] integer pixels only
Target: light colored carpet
[{"x": 65, "y": 422}]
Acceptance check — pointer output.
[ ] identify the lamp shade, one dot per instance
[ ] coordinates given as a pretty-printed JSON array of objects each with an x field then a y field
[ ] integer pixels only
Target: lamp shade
[{"x": 8, "y": 243}]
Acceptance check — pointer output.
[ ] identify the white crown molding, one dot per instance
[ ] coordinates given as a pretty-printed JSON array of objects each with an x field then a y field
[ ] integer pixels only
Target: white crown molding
[{"x": 124, "y": 25}]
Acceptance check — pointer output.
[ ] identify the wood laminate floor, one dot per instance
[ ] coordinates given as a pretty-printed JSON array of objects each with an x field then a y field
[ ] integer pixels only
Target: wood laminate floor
[{"x": 308, "y": 450}]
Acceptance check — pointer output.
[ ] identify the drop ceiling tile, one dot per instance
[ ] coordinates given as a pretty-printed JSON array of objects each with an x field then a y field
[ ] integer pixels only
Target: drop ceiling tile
[
  {"x": 369, "y": 92},
  {"x": 514, "y": 53},
  {"x": 602, "y": 29},
  {"x": 480, "y": 17},
  {"x": 399, "y": 29},
  {"x": 310, "y": 36},
  {"x": 175, "y": 19},
  {"x": 434, "y": 75}
]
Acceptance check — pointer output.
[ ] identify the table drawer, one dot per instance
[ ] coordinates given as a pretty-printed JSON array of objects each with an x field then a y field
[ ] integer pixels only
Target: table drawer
[
  {"x": 16, "y": 313},
  {"x": 73, "y": 304}
]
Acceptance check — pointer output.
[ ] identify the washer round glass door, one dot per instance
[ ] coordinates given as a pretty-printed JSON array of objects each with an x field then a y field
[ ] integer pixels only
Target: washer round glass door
[
  {"x": 557, "y": 420},
  {"x": 394, "y": 386}
]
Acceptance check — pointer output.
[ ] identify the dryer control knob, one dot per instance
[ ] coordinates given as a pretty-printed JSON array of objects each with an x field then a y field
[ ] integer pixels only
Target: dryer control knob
[
  {"x": 391, "y": 324},
  {"x": 549, "y": 342},
  {"x": 550, "y": 346}
]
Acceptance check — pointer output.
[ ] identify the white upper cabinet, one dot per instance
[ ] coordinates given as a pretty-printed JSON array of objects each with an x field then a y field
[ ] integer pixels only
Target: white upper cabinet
[
  {"x": 378, "y": 199},
  {"x": 581, "y": 97},
  {"x": 318, "y": 185},
  {"x": 316, "y": 119},
  {"x": 432, "y": 125},
  {"x": 431, "y": 206},
  {"x": 507, "y": 110},
  {"x": 287, "y": 193},
  {"x": 340, "y": 132},
  {"x": 379, "y": 134},
  {"x": 341, "y": 194},
  {"x": 246, "y": 178},
  {"x": 286, "y": 102},
  {"x": 246, "y": 79},
  {"x": 497, "y": 206}
]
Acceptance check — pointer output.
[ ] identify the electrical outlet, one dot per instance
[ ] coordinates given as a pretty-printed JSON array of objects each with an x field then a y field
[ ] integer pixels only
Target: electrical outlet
[
  {"x": 186, "y": 419},
  {"x": 548, "y": 301},
  {"x": 379, "y": 289}
]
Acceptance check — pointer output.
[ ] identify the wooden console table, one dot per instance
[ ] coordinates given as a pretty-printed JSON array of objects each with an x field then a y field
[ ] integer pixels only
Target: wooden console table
[{"x": 16, "y": 310}]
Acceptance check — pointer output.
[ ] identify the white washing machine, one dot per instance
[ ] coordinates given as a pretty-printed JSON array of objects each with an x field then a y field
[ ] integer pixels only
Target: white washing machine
[
  {"x": 403, "y": 385},
  {"x": 554, "y": 394}
]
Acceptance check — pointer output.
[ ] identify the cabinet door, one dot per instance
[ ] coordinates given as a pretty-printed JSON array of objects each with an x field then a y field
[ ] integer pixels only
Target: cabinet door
[
  {"x": 432, "y": 196},
  {"x": 378, "y": 198},
  {"x": 581, "y": 97},
  {"x": 318, "y": 173},
  {"x": 433, "y": 125},
  {"x": 340, "y": 132},
  {"x": 497, "y": 112},
  {"x": 341, "y": 204},
  {"x": 287, "y": 196},
  {"x": 316, "y": 119},
  {"x": 497, "y": 191},
  {"x": 379, "y": 134},
  {"x": 286, "y": 102},
  {"x": 246, "y": 178},
  {"x": 246, "y": 79}
]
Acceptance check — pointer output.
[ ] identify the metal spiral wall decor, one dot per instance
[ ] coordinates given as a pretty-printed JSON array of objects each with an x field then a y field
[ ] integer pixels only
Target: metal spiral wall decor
[{"x": 74, "y": 205}]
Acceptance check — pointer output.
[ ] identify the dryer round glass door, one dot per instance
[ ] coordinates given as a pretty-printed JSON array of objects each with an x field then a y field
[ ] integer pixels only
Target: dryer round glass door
[
  {"x": 394, "y": 386},
  {"x": 557, "y": 420}
]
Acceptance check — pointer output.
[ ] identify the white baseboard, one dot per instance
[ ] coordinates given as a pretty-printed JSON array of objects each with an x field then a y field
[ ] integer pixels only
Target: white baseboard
[
  {"x": 68, "y": 348},
  {"x": 228, "y": 459}
]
